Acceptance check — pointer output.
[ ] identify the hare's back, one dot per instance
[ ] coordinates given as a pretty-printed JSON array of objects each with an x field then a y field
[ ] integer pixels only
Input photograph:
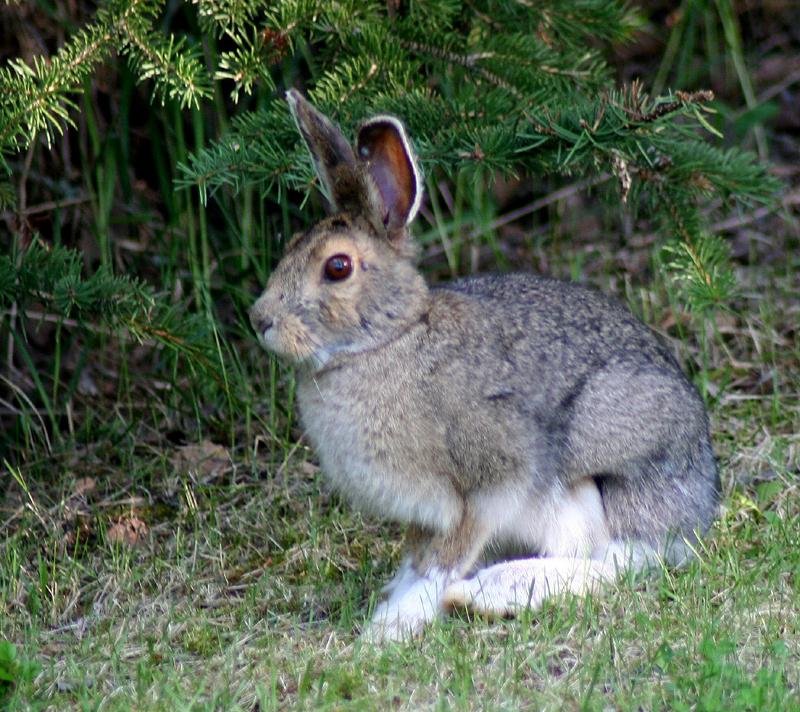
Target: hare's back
[
  {"x": 566, "y": 361},
  {"x": 542, "y": 319}
]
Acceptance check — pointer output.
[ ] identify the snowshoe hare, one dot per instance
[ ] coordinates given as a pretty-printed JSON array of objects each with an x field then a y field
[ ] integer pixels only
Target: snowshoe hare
[{"x": 534, "y": 435}]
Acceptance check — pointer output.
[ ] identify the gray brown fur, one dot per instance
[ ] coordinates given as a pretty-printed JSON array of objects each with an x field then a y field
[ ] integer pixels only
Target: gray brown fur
[{"x": 456, "y": 407}]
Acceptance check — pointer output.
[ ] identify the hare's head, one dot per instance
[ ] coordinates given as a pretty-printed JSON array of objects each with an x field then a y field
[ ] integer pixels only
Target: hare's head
[{"x": 349, "y": 283}]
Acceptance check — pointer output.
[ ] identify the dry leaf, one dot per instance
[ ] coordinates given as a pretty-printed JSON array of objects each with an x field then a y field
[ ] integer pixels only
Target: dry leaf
[
  {"x": 309, "y": 468},
  {"x": 77, "y": 533},
  {"x": 205, "y": 459},
  {"x": 83, "y": 485},
  {"x": 127, "y": 530}
]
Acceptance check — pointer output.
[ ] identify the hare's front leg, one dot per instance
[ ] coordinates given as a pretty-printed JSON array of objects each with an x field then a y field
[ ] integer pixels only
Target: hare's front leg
[{"x": 433, "y": 563}]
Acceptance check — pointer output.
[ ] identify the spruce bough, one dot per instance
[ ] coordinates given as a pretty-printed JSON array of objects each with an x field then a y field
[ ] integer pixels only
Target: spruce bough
[{"x": 487, "y": 88}]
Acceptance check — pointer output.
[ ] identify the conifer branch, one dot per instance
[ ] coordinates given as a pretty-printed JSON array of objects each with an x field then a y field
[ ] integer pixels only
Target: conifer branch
[
  {"x": 513, "y": 87},
  {"x": 48, "y": 282},
  {"x": 35, "y": 99}
]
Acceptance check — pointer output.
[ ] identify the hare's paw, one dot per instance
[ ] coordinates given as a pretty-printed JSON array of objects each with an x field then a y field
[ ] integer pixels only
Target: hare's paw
[
  {"x": 497, "y": 592},
  {"x": 414, "y": 602},
  {"x": 505, "y": 589},
  {"x": 390, "y": 624}
]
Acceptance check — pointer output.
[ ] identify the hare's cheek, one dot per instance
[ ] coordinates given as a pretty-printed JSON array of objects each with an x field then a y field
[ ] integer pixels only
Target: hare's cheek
[{"x": 339, "y": 312}]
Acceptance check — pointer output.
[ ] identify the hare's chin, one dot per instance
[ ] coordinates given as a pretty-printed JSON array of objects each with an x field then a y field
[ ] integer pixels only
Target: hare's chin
[
  {"x": 300, "y": 349},
  {"x": 319, "y": 357},
  {"x": 278, "y": 347},
  {"x": 298, "y": 354}
]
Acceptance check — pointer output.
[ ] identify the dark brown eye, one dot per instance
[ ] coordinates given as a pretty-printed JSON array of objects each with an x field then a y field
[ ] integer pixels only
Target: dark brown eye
[{"x": 338, "y": 267}]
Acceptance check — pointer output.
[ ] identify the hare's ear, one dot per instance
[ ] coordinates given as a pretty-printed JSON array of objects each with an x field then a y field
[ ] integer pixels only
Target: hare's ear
[
  {"x": 384, "y": 146},
  {"x": 333, "y": 156}
]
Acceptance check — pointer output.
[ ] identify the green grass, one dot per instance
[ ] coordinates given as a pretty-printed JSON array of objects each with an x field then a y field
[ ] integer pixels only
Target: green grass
[{"x": 233, "y": 604}]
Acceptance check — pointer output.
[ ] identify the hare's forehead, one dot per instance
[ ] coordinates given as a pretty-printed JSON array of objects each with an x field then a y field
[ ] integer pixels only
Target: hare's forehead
[
  {"x": 305, "y": 255},
  {"x": 318, "y": 245}
]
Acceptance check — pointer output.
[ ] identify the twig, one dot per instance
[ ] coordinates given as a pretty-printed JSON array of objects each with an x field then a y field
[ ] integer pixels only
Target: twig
[
  {"x": 565, "y": 192},
  {"x": 44, "y": 207},
  {"x": 736, "y": 221},
  {"x": 774, "y": 90},
  {"x": 682, "y": 98},
  {"x": 373, "y": 70}
]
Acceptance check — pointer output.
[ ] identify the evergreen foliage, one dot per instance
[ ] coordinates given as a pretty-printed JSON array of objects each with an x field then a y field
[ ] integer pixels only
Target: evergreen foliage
[
  {"x": 493, "y": 86},
  {"x": 50, "y": 280},
  {"x": 37, "y": 99},
  {"x": 507, "y": 87}
]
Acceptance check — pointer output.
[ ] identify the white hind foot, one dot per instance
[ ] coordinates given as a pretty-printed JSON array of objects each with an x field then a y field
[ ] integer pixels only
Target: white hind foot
[{"x": 503, "y": 590}]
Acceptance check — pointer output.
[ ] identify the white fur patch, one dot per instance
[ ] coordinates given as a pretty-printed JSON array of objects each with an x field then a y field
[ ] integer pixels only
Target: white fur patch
[
  {"x": 510, "y": 586},
  {"x": 559, "y": 523},
  {"x": 414, "y": 601},
  {"x": 506, "y": 588}
]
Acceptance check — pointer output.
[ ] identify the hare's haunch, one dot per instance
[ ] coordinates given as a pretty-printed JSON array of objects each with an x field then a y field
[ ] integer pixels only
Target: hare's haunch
[{"x": 534, "y": 435}]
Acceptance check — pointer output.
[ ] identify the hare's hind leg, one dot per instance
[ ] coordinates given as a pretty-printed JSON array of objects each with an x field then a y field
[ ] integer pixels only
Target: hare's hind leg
[
  {"x": 577, "y": 556},
  {"x": 668, "y": 498},
  {"x": 643, "y": 436},
  {"x": 505, "y": 589}
]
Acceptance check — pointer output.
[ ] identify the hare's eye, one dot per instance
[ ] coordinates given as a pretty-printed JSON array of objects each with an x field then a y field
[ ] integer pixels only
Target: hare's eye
[{"x": 338, "y": 267}]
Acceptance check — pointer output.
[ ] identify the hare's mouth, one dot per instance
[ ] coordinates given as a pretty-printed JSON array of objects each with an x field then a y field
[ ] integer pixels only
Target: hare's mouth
[
  {"x": 283, "y": 343},
  {"x": 291, "y": 342}
]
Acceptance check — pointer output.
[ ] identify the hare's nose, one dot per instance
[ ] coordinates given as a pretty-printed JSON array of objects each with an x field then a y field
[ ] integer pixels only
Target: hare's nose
[{"x": 261, "y": 322}]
